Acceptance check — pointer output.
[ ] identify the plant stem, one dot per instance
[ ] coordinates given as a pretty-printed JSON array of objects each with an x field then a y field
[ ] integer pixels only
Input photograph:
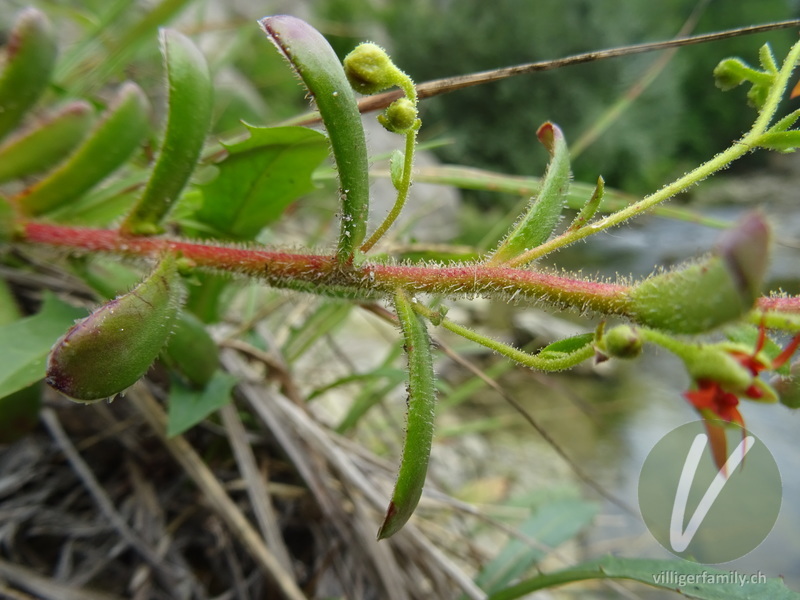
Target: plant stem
[
  {"x": 524, "y": 358},
  {"x": 323, "y": 273},
  {"x": 719, "y": 162},
  {"x": 402, "y": 193}
]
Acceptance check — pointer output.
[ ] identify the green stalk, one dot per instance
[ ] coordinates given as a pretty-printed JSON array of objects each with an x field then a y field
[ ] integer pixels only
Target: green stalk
[{"x": 719, "y": 162}]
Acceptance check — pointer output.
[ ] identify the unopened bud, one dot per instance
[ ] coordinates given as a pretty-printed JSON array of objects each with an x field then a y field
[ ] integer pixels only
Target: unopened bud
[
  {"x": 400, "y": 116},
  {"x": 370, "y": 70},
  {"x": 622, "y": 342}
]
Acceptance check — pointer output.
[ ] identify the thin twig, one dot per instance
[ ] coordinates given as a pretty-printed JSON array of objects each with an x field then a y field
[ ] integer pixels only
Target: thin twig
[
  {"x": 449, "y": 84},
  {"x": 256, "y": 487}
]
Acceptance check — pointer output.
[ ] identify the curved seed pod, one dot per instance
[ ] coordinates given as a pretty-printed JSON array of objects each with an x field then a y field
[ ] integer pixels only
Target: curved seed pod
[
  {"x": 419, "y": 422},
  {"x": 44, "y": 145},
  {"x": 710, "y": 293},
  {"x": 30, "y": 56},
  {"x": 544, "y": 211},
  {"x": 318, "y": 66},
  {"x": 190, "y": 104},
  {"x": 109, "y": 350},
  {"x": 191, "y": 351},
  {"x": 108, "y": 145}
]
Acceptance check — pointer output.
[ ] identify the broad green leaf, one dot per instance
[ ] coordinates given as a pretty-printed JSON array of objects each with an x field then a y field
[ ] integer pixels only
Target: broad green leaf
[
  {"x": 188, "y": 406},
  {"x": 106, "y": 147},
  {"x": 566, "y": 346},
  {"x": 189, "y": 116},
  {"x": 38, "y": 148},
  {"x": 691, "y": 580},
  {"x": 30, "y": 56},
  {"x": 551, "y": 525},
  {"x": 260, "y": 177},
  {"x": 25, "y": 344}
]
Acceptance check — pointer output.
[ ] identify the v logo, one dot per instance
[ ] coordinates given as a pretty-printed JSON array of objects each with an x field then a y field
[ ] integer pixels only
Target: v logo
[{"x": 678, "y": 538}]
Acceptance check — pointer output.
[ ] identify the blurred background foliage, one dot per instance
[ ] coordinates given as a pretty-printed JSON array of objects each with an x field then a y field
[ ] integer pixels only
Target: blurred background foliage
[{"x": 677, "y": 122}]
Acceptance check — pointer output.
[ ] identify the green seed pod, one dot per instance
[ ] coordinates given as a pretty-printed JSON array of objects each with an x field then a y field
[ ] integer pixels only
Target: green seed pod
[
  {"x": 109, "y": 350},
  {"x": 370, "y": 70},
  {"x": 39, "y": 147},
  {"x": 710, "y": 293},
  {"x": 104, "y": 149},
  {"x": 318, "y": 66},
  {"x": 420, "y": 419},
  {"x": 400, "y": 116},
  {"x": 622, "y": 342},
  {"x": 30, "y": 56}
]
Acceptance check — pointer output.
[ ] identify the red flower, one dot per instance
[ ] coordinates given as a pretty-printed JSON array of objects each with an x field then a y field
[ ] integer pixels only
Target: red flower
[{"x": 718, "y": 406}]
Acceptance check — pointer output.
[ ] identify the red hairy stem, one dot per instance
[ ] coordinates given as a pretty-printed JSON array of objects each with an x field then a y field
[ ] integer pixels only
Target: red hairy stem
[{"x": 282, "y": 269}]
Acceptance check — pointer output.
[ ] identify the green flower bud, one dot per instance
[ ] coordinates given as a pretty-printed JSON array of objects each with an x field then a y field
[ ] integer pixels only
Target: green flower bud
[
  {"x": 710, "y": 293},
  {"x": 400, "y": 116},
  {"x": 109, "y": 350},
  {"x": 622, "y": 342},
  {"x": 370, "y": 70}
]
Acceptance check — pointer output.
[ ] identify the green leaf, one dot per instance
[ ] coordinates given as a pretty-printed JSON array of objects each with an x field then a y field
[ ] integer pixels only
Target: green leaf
[
  {"x": 260, "y": 177},
  {"x": 23, "y": 361},
  {"x": 544, "y": 212},
  {"x": 419, "y": 421},
  {"x": 782, "y": 141},
  {"x": 188, "y": 406},
  {"x": 30, "y": 56},
  {"x": 316, "y": 63},
  {"x": 675, "y": 576},
  {"x": 109, "y": 144},
  {"x": 323, "y": 321},
  {"x": 189, "y": 116},
  {"x": 551, "y": 525},
  {"x": 40, "y": 147},
  {"x": 566, "y": 346}
]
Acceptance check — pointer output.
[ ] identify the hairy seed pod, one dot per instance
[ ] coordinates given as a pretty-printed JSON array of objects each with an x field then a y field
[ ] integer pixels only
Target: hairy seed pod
[{"x": 108, "y": 351}]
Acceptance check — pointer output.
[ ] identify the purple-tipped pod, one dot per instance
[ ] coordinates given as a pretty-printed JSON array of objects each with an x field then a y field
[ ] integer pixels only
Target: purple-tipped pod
[
  {"x": 712, "y": 292},
  {"x": 544, "y": 210},
  {"x": 108, "y": 351},
  {"x": 419, "y": 420},
  {"x": 316, "y": 63}
]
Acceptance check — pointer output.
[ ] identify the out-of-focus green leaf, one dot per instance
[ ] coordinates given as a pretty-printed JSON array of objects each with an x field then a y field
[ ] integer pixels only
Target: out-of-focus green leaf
[
  {"x": 36, "y": 149},
  {"x": 187, "y": 406},
  {"x": 25, "y": 344},
  {"x": 109, "y": 144},
  {"x": 551, "y": 525},
  {"x": 321, "y": 322},
  {"x": 691, "y": 580},
  {"x": 30, "y": 56},
  {"x": 260, "y": 177}
]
